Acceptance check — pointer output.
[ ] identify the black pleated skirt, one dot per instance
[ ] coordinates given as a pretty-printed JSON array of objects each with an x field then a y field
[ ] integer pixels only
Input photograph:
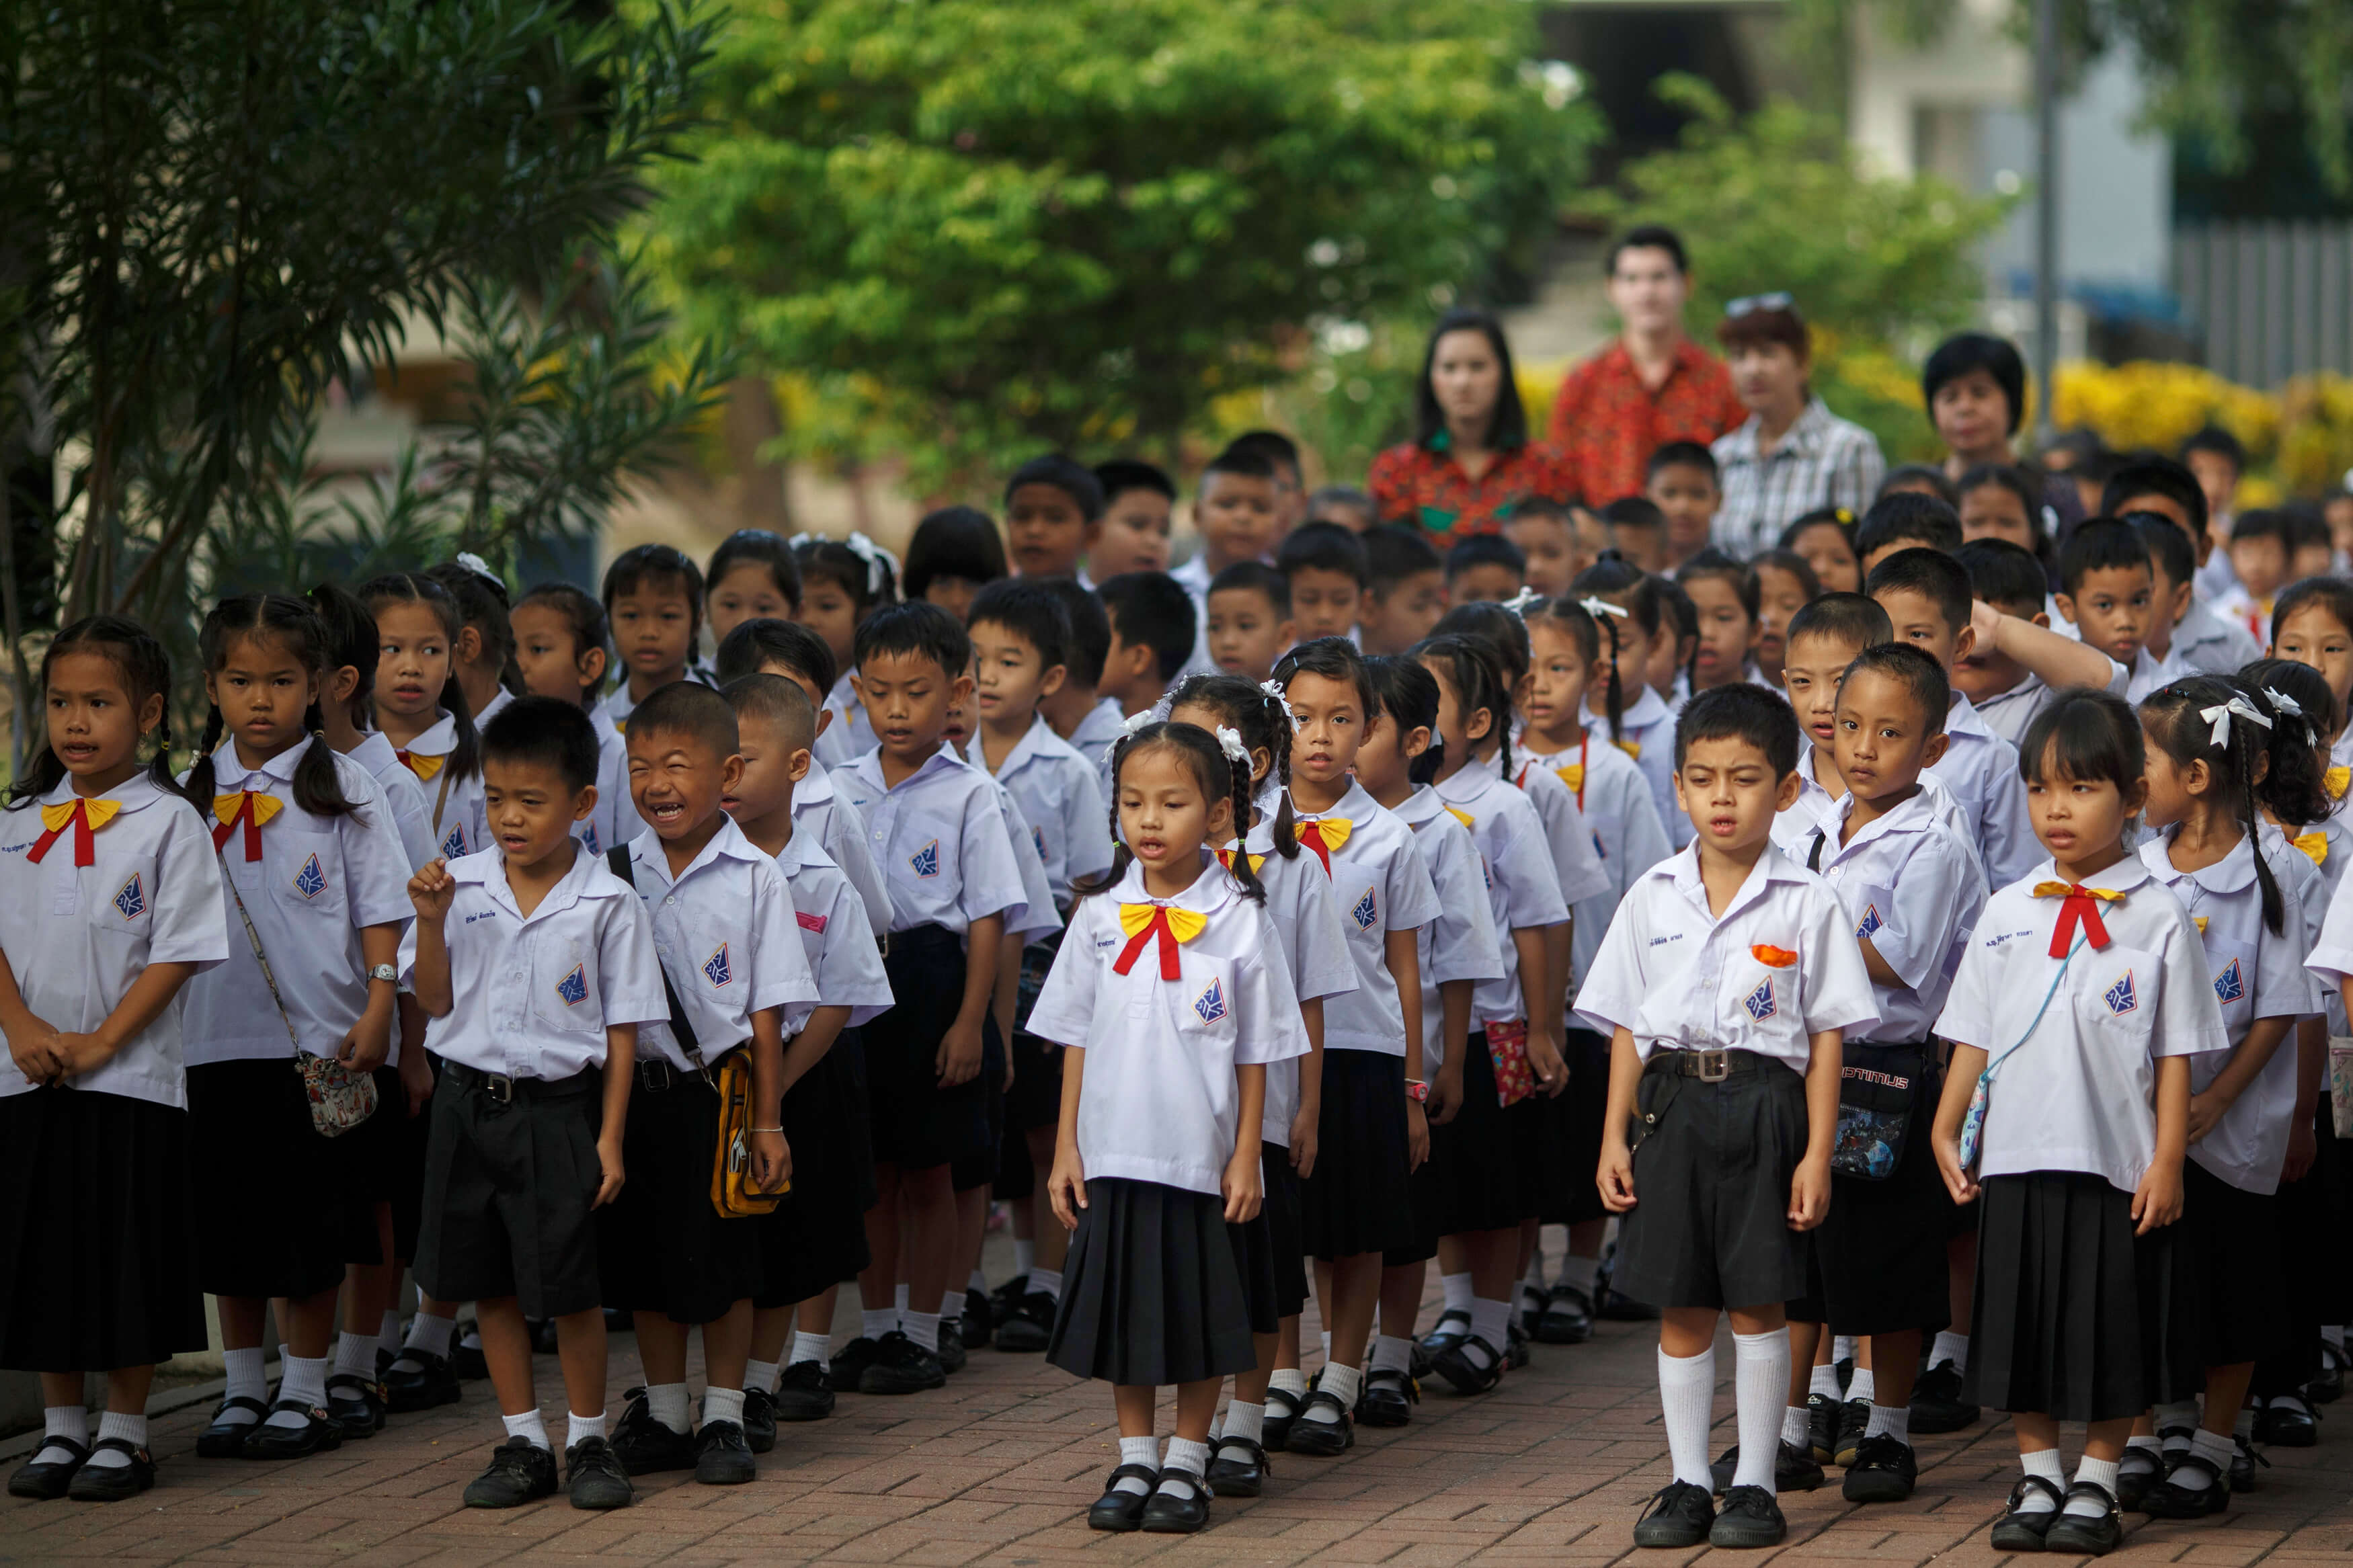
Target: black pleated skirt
[
  {"x": 662, "y": 1246},
  {"x": 1359, "y": 1199},
  {"x": 1152, "y": 1293},
  {"x": 270, "y": 1202},
  {"x": 380, "y": 1161},
  {"x": 2230, "y": 1287},
  {"x": 1475, "y": 1161},
  {"x": 98, "y": 1255},
  {"x": 1281, "y": 1216},
  {"x": 1559, "y": 1136},
  {"x": 817, "y": 1236},
  {"x": 2072, "y": 1317},
  {"x": 913, "y": 1121}
]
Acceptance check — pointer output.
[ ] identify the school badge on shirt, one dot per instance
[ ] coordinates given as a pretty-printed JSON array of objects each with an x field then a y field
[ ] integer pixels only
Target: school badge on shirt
[
  {"x": 455, "y": 844},
  {"x": 716, "y": 968},
  {"x": 130, "y": 899},
  {"x": 574, "y": 987},
  {"x": 927, "y": 860},
  {"x": 1872, "y": 923},
  {"x": 1366, "y": 912},
  {"x": 312, "y": 880},
  {"x": 1760, "y": 1003},
  {"x": 2228, "y": 985},
  {"x": 2121, "y": 997},
  {"x": 1211, "y": 1002}
]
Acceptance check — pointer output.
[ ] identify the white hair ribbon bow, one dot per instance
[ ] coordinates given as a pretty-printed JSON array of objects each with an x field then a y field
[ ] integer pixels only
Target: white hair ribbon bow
[
  {"x": 2288, "y": 708},
  {"x": 2220, "y": 717},
  {"x": 1600, "y": 607},
  {"x": 1136, "y": 723},
  {"x": 1521, "y": 602},
  {"x": 877, "y": 560},
  {"x": 1274, "y": 689},
  {"x": 1230, "y": 742}
]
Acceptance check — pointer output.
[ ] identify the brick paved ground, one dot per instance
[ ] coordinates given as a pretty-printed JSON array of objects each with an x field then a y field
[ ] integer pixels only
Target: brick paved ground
[{"x": 998, "y": 1467}]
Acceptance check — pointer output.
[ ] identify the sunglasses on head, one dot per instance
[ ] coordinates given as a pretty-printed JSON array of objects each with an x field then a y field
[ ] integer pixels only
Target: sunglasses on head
[{"x": 1776, "y": 301}]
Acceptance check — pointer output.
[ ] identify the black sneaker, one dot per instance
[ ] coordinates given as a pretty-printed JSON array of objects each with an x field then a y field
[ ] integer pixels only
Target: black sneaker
[
  {"x": 1845, "y": 1370},
  {"x": 1567, "y": 1317},
  {"x": 646, "y": 1446},
  {"x": 2173, "y": 1499},
  {"x": 594, "y": 1476},
  {"x": 2287, "y": 1422},
  {"x": 1750, "y": 1518},
  {"x": 1323, "y": 1438},
  {"x": 113, "y": 1483},
  {"x": 355, "y": 1405},
  {"x": 427, "y": 1380},
  {"x": 977, "y": 1324},
  {"x": 1451, "y": 1330},
  {"x": 1855, "y": 1418},
  {"x": 1282, "y": 1411},
  {"x": 759, "y": 1419},
  {"x": 1884, "y": 1470},
  {"x": 1238, "y": 1468},
  {"x": 2018, "y": 1531},
  {"x": 805, "y": 1393},
  {"x": 721, "y": 1457},
  {"x": 1387, "y": 1400},
  {"x": 466, "y": 1352},
  {"x": 317, "y": 1433},
  {"x": 47, "y": 1482},
  {"x": 1821, "y": 1426},
  {"x": 900, "y": 1366},
  {"x": 1466, "y": 1371},
  {"x": 1936, "y": 1402},
  {"x": 1680, "y": 1516},
  {"x": 1030, "y": 1326},
  {"x": 1794, "y": 1470},
  {"x": 850, "y": 1362},
  {"x": 520, "y": 1472},
  {"x": 2086, "y": 1534}
]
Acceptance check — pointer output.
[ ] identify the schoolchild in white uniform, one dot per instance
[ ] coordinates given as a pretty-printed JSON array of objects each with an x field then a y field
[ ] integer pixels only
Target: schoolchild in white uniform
[
  {"x": 421, "y": 707},
  {"x": 1461, "y": 951},
  {"x": 1357, "y": 1203},
  {"x": 939, "y": 831},
  {"x": 842, "y": 583},
  {"x": 1641, "y": 723},
  {"x": 653, "y": 599},
  {"x": 1926, "y": 593},
  {"x": 1727, "y": 982},
  {"x": 2081, "y": 997},
  {"x": 112, "y": 903},
  {"x": 484, "y": 657},
  {"x": 1824, "y": 637},
  {"x": 1306, "y": 916},
  {"x": 2313, "y": 624},
  {"x": 1563, "y": 737},
  {"x": 728, "y": 946},
  {"x": 560, "y": 640},
  {"x": 2247, "y": 900},
  {"x": 817, "y": 1237},
  {"x": 537, "y": 966},
  {"x": 313, "y": 858},
  {"x": 1881, "y": 1249},
  {"x": 1171, "y": 994}
]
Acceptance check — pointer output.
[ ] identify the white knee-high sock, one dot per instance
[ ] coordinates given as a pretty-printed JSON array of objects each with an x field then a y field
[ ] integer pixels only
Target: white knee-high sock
[
  {"x": 1761, "y": 1385},
  {"x": 1687, "y": 1396}
]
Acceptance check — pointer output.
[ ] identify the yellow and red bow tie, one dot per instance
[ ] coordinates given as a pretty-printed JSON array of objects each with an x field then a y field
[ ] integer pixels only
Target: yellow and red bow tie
[
  {"x": 423, "y": 766},
  {"x": 1142, "y": 921},
  {"x": 1226, "y": 859},
  {"x": 87, "y": 815},
  {"x": 2337, "y": 779},
  {"x": 2082, "y": 908},
  {"x": 2315, "y": 845},
  {"x": 254, "y": 808},
  {"x": 1325, "y": 834}
]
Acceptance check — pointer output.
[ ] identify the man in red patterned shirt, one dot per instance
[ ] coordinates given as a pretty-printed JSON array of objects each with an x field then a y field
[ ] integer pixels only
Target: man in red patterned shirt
[{"x": 1651, "y": 387}]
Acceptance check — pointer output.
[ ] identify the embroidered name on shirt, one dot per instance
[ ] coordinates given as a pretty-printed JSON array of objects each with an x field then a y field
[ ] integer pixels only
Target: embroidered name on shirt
[
  {"x": 1760, "y": 1003},
  {"x": 130, "y": 899},
  {"x": 1871, "y": 922},
  {"x": 927, "y": 860},
  {"x": 485, "y": 915},
  {"x": 310, "y": 882},
  {"x": 1366, "y": 912},
  {"x": 2228, "y": 985},
  {"x": 809, "y": 921},
  {"x": 455, "y": 844},
  {"x": 715, "y": 969},
  {"x": 2121, "y": 997},
  {"x": 574, "y": 987},
  {"x": 1211, "y": 1003}
]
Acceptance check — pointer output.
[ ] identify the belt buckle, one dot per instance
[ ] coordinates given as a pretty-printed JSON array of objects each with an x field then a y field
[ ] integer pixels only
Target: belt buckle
[
  {"x": 655, "y": 1081},
  {"x": 499, "y": 1090},
  {"x": 1714, "y": 1066}
]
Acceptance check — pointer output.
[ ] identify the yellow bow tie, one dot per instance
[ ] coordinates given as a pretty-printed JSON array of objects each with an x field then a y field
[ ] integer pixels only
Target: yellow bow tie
[
  {"x": 423, "y": 766},
  {"x": 1226, "y": 859},
  {"x": 1573, "y": 775},
  {"x": 92, "y": 815},
  {"x": 1172, "y": 925},
  {"x": 2315, "y": 845},
  {"x": 2337, "y": 779},
  {"x": 2201, "y": 923},
  {"x": 1325, "y": 834},
  {"x": 1464, "y": 818},
  {"x": 1632, "y": 748},
  {"x": 256, "y": 808}
]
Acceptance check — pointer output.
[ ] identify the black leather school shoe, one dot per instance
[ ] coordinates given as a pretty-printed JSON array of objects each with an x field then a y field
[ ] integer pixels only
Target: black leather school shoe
[
  {"x": 225, "y": 1439},
  {"x": 975, "y": 1325},
  {"x": 850, "y": 1362},
  {"x": 1282, "y": 1412},
  {"x": 1030, "y": 1326},
  {"x": 1459, "y": 1367},
  {"x": 2138, "y": 1473},
  {"x": 520, "y": 1471},
  {"x": 1239, "y": 1467},
  {"x": 1119, "y": 1510},
  {"x": 2086, "y": 1534},
  {"x": 47, "y": 1482},
  {"x": 318, "y": 1434},
  {"x": 433, "y": 1382},
  {"x": 1179, "y": 1512},
  {"x": 355, "y": 1405},
  {"x": 2328, "y": 1385},
  {"x": 2287, "y": 1423},
  {"x": 805, "y": 1392},
  {"x": 1567, "y": 1317},
  {"x": 2017, "y": 1531},
  {"x": 1323, "y": 1438},
  {"x": 1387, "y": 1400},
  {"x": 465, "y": 1352},
  {"x": 113, "y": 1483},
  {"x": 2170, "y": 1499},
  {"x": 1451, "y": 1330}
]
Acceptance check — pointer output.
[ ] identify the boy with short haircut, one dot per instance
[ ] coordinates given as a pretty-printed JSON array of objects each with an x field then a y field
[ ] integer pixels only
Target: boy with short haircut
[
  {"x": 1727, "y": 983},
  {"x": 1077, "y": 709},
  {"x": 724, "y": 934},
  {"x": 1905, "y": 521},
  {"x": 520, "y": 1110},
  {"x": 1153, "y": 637},
  {"x": 2311, "y": 547},
  {"x": 1281, "y": 454},
  {"x": 1237, "y": 511},
  {"x": 1684, "y": 486},
  {"x": 1824, "y": 638},
  {"x": 1052, "y": 506},
  {"x": 1547, "y": 539},
  {"x": 2214, "y": 458},
  {"x": 1485, "y": 568},
  {"x": 2202, "y": 640},
  {"x": 952, "y": 879},
  {"x": 1249, "y": 619},
  {"x": 1324, "y": 565},
  {"x": 2108, "y": 590},
  {"x": 2261, "y": 552},
  {"x": 2173, "y": 567},
  {"x": 1405, "y": 590},
  {"x": 1132, "y": 533},
  {"x": 1926, "y": 593},
  {"x": 1638, "y": 530}
]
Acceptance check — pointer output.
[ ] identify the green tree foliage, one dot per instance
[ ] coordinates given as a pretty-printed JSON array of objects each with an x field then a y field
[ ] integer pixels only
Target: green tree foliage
[{"x": 983, "y": 226}]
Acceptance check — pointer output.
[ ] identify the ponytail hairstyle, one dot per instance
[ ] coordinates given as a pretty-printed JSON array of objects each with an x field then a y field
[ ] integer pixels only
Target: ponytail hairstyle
[
  {"x": 146, "y": 671},
  {"x": 1264, "y": 721},
  {"x": 1572, "y": 618},
  {"x": 290, "y": 622},
  {"x": 1471, "y": 668},
  {"x": 350, "y": 645},
  {"x": 1218, "y": 775},
  {"x": 1618, "y": 581},
  {"x": 481, "y": 596},
  {"x": 1675, "y": 605},
  {"x": 859, "y": 567},
  {"x": 2296, "y": 790},
  {"x": 2175, "y": 719},
  {"x": 583, "y": 614},
  {"x": 417, "y": 588}
]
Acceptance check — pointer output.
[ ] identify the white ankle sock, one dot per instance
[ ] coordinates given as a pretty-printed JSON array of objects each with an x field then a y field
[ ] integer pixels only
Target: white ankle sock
[
  {"x": 723, "y": 1404},
  {"x": 1292, "y": 1380},
  {"x": 1797, "y": 1426},
  {"x": 2099, "y": 1472},
  {"x": 2333, "y": 1335},
  {"x": 1864, "y": 1386},
  {"x": 875, "y": 1323},
  {"x": 355, "y": 1354},
  {"x": 1687, "y": 1397},
  {"x": 1950, "y": 1347},
  {"x": 952, "y": 1306},
  {"x": 387, "y": 1333},
  {"x": 2047, "y": 1464},
  {"x": 304, "y": 1379},
  {"x": 1048, "y": 1281},
  {"x": 1578, "y": 1273},
  {"x": 1343, "y": 1383},
  {"x": 528, "y": 1425},
  {"x": 924, "y": 1328},
  {"x": 668, "y": 1404},
  {"x": 1842, "y": 1347},
  {"x": 2243, "y": 1424},
  {"x": 67, "y": 1421},
  {"x": 246, "y": 1381},
  {"x": 2145, "y": 1446},
  {"x": 579, "y": 1429},
  {"x": 2181, "y": 1415},
  {"x": 1760, "y": 1386},
  {"x": 427, "y": 1333},
  {"x": 1391, "y": 1353},
  {"x": 1890, "y": 1421},
  {"x": 809, "y": 1347},
  {"x": 1186, "y": 1458},
  {"x": 1025, "y": 1255},
  {"x": 1245, "y": 1421},
  {"x": 1458, "y": 1291},
  {"x": 1491, "y": 1321},
  {"x": 131, "y": 1429},
  {"x": 2217, "y": 1450},
  {"x": 1823, "y": 1380},
  {"x": 1144, "y": 1451},
  {"x": 760, "y": 1374}
]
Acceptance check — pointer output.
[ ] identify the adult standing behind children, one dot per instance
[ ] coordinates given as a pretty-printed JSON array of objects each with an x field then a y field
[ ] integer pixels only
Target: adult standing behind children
[
  {"x": 1791, "y": 455},
  {"x": 1469, "y": 462},
  {"x": 1652, "y": 385}
]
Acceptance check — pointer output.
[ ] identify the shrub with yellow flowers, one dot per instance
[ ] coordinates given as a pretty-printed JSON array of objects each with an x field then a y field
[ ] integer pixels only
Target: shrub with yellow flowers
[{"x": 2299, "y": 439}]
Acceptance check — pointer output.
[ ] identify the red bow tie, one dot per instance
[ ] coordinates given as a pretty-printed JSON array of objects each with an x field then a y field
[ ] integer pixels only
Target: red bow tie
[{"x": 2082, "y": 908}]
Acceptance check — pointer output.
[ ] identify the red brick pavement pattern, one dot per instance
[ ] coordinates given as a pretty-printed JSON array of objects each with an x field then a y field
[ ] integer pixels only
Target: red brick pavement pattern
[{"x": 998, "y": 1467}]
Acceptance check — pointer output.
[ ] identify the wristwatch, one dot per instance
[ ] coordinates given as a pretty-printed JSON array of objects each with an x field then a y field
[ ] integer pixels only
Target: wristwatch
[
  {"x": 1416, "y": 1089},
  {"x": 384, "y": 972}
]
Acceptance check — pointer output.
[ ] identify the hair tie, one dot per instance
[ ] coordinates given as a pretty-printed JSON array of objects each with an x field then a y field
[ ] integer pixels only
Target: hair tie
[
  {"x": 1274, "y": 688},
  {"x": 2220, "y": 717},
  {"x": 1229, "y": 741},
  {"x": 1521, "y": 602},
  {"x": 481, "y": 568},
  {"x": 1598, "y": 608},
  {"x": 878, "y": 559},
  {"x": 2288, "y": 708},
  {"x": 1135, "y": 724}
]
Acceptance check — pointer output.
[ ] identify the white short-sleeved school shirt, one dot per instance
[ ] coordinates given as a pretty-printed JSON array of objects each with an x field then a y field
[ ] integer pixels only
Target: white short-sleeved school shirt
[
  {"x": 1628, "y": 832},
  {"x": 1381, "y": 884},
  {"x": 1463, "y": 942},
  {"x": 2079, "y": 1093},
  {"x": 533, "y": 997},
  {"x": 1921, "y": 933},
  {"x": 1521, "y": 858},
  {"x": 2256, "y": 973},
  {"x": 819, "y": 811},
  {"x": 1093, "y": 738},
  {"x": 78, "y": 937},
  {"x": 941, "y": 839},
  {"x": 1777, "y": 967},
  {"x": 1315, "y": 952},
  {"x": 1061, "y": 793},
  {"x": 2149, "y": 673},
  {"x": 1036, "y": 916},
  {"x": 1159, "y": 1100},
  {"x": 454, "y": 806},
  {"x": 1794, "y": 827},
  {"x": 411, "y": 812},
  {"x": 2325, "y": 847},
  {"x": 315, "y": 882},
  {"x": 615, "y": 706},
  {"x": 2330, "y": 962},
  {"x": 835, "y": 937},
  {"x": 1646, "y": 734},
  {"x": 2205, "y": 642},
  {"x": 1979, "y": 770},
  {"x": 725, "y": 935}
]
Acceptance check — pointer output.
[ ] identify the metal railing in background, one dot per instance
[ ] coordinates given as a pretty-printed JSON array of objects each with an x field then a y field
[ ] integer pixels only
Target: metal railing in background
[{"x": 2269, "y": 299}]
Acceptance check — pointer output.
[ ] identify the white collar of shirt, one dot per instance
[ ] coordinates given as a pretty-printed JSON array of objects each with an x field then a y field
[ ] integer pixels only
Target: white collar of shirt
[
  {"x": 1025, "y": 749},
  {"x": 374, "y": 753},
  {"x": 2233, "y": 873},
  {"x": 1645, "y": 710},
  {"x": 1356, "y": 806},
  {"x": 1962, "y": 718},
  {"x": 2026, "y": 687},
  {"x": 279, "y": 769},
  {"x": 2126, "y": 874},
  {"x": 729, "y": 843},
  {"x": 134, "y": 793},
  {"x": 801, "y": 851},
  {"x": 814, "y": 789},
  {"x": 1804, "y": 437},
  {"x": 1467, "y": 782},
  {"x": 868, "y": 766},
  {"x": 1915, "y": 815},
  {"x": 588, "y": 879},
  {"x": 1424, "y": 804},
  {"x": 1682, "y": 868},
  {"x": 1212, "y": 891},
  {"x": 438, "y": 742}
]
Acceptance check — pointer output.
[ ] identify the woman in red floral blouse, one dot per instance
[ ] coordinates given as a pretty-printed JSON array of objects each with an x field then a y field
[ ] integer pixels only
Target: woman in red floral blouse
[{"x": 1471, "y": 460}]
